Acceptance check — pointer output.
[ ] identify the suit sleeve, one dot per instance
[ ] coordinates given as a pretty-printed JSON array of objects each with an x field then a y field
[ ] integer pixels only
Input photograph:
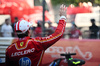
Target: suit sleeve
[{"x": 46, "y": 42}]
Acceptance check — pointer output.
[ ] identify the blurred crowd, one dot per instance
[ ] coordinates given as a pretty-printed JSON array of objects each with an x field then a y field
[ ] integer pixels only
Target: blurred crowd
[
  {"x": 7, "y": 30},
  {"x": 74, "y": 32},
  {"x": 84, "y": 4}
]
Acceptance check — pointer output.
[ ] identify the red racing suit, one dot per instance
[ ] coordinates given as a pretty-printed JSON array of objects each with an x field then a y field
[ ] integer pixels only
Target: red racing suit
[{"x": 29, "y": 51}]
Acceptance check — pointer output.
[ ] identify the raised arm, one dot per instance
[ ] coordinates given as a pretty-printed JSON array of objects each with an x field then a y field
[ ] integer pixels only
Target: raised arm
[{"x": 46, "y": 42}]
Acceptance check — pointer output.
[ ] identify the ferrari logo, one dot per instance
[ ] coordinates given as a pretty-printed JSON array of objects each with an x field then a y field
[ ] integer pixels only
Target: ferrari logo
[{"x": 21, "y": 44}]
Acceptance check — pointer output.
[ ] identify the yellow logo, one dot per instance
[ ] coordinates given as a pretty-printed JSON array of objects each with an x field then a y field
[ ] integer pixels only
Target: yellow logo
[{"x": 21, "y": 44}]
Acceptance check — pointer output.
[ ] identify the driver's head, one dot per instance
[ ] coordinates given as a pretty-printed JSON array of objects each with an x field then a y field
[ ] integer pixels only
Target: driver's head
[{"x": 22, "y": 28}]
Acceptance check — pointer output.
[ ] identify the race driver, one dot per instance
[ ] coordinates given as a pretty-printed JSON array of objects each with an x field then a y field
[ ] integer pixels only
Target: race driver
[{"x": 29, "y": 51}]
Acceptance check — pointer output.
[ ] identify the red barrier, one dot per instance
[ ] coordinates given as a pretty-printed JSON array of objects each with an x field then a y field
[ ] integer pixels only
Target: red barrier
[
  {"x": 87, "y": 50},
  {"x": 76, "y": 10}
]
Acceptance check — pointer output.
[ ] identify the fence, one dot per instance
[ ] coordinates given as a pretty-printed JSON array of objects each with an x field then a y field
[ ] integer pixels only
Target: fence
[{"x": 4, "y": 43}]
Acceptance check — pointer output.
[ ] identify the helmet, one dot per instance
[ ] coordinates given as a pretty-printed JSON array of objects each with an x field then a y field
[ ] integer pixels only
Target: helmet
[{"x": 22, "y": 26}]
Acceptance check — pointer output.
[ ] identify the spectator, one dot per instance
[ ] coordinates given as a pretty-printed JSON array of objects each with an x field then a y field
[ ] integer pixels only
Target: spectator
[
  {"x": 38, "y": 29},
  {"x": 15, "y": 21},
  {"x": 85, "y": 4},
  {"x": 71, "y": 6},
  {"x": 50, "y": 28},
  {"x": 80, "y": 4},
  {"x": 93, "y": 30},
  {"x": 89, "y": 4},
  {"x": 32, "y": 31},
  {"x": 6, "y": 29},
  {"x": 74, "y": 32}
]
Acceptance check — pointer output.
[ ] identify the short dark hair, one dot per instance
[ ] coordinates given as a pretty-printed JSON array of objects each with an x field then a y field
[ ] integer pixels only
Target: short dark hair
[
  {"x": 6, "y": 20},
  {"x": 75, "y": 25},
  {"x": 38, "y": 24},
  {"x": 16, "y": 18},
  {"x": 92, "y": 20},
  {"x": 22, "y": 35}
]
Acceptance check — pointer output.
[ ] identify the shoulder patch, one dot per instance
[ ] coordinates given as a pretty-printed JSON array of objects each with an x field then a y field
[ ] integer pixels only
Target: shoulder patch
[{"x": 22, "y": 45}]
